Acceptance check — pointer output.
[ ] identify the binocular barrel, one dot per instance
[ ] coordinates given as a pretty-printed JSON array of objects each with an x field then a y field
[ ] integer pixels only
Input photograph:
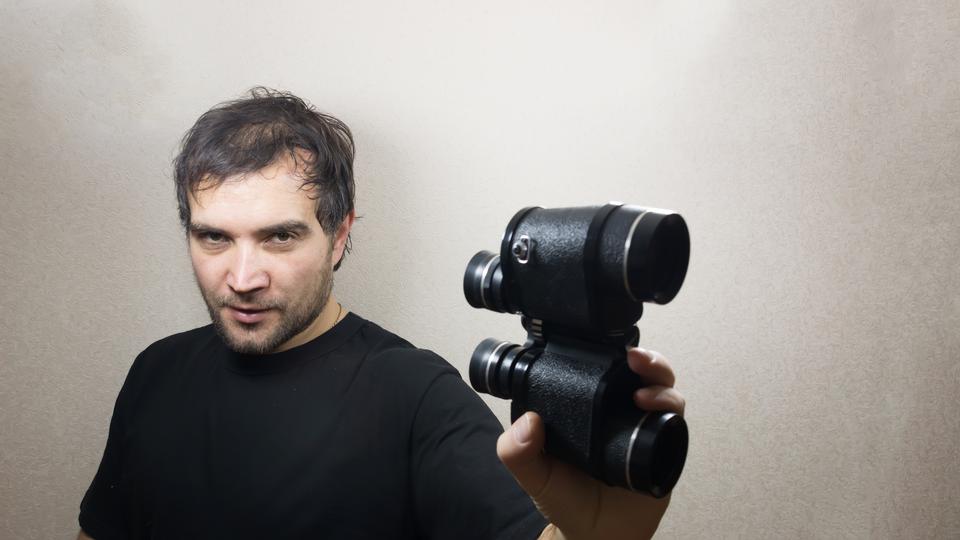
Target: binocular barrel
[
  {"x": 584, "y": 267},
  {"x": 635, "y": 449}
]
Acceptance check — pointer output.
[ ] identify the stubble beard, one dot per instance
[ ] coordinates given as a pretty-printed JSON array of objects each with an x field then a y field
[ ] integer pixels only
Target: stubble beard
[{"x": 295, "y": 316}]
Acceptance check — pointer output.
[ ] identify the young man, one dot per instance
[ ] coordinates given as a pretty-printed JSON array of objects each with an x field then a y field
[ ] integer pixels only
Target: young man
[{"x": 291, "y": 417}]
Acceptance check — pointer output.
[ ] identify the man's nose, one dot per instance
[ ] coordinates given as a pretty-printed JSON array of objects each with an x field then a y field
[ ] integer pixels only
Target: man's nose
[{"x": 246, "y": 273}]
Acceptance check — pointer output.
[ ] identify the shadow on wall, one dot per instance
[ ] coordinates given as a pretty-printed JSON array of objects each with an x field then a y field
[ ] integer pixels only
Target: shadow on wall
[
  {"x": 77, "y": 146},
  {"x": 81, "y": 265}
]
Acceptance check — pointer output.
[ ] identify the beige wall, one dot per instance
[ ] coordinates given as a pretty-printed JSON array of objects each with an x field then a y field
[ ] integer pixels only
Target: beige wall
[{"x": 812, "y": 147}]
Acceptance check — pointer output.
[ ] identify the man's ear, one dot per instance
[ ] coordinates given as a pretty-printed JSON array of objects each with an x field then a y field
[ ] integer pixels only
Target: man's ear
[{"x": 341, "y": 236}]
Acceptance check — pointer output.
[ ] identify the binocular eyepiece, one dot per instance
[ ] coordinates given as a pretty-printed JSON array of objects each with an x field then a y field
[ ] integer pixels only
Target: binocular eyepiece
[
  {"x": 591, "y": 268},
  {"x": 579, "y": 276}
]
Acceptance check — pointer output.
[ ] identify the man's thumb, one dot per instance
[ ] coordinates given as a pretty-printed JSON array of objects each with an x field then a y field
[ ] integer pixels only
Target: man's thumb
[{"x": 520, "y": 449}]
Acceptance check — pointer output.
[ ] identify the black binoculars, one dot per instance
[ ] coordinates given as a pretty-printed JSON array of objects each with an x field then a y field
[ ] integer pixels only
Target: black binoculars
[{"x": 579, "y": 278}]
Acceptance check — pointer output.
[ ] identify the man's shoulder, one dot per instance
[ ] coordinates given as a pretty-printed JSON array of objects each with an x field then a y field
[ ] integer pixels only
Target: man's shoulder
[
  {"x": 182, "y": 341},
  {"x": 181, "y": 345},
  {"x": 392, "y": 355},
  {"x": 157, "y": 362}
]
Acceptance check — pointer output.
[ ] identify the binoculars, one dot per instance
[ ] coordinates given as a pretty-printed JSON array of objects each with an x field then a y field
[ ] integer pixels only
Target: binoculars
[{"x": 579, "y": 277}]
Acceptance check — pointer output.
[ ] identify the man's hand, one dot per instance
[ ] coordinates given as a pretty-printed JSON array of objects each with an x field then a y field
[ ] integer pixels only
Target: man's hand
[{"x": 578, "y": 506}]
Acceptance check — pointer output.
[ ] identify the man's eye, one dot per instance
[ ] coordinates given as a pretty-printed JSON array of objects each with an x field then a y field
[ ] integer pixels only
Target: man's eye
[
  {"x": 282, "y": 238},
  {"x": 212, "y": 238}
]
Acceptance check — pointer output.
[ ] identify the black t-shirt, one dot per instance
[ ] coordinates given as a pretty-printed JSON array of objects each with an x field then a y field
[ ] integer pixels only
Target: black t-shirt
[{"x": 356, "y": 434}]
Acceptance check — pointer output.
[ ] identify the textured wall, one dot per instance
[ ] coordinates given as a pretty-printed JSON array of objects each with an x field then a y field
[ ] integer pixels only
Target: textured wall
[{"x": 813, "y": 150}]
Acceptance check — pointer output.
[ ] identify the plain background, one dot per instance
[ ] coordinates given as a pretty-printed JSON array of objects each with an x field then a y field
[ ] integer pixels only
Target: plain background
[{"x": 811, "y": 146}]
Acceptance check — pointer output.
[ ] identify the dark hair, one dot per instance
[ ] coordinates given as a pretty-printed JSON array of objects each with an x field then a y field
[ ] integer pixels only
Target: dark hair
[{"x": 257, "y": 130}]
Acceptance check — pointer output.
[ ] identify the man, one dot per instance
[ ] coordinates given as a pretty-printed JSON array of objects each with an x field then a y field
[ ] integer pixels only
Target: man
[{"x": 291, "y": 417}]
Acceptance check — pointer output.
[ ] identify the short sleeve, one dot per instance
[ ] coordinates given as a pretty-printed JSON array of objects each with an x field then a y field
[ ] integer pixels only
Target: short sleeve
[{"x": 461, "y": 488}]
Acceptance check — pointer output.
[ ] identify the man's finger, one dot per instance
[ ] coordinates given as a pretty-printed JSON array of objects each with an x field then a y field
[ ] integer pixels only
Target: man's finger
[
  {"x": 652, "y": 366},
  {"x": 520, "y": 449},
  {"x": 567, "y": 497},
  {"x": 660, "y": 398}
]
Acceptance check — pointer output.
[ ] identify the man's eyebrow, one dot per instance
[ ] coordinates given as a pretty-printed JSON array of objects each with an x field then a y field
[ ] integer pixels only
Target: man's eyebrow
[
  {"x": 290, "y": 226},
  {"x": 199, "y": 228}
]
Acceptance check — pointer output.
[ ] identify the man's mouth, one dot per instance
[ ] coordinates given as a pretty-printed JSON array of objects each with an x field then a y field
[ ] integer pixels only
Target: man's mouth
[{"x": 247, "y": 315}]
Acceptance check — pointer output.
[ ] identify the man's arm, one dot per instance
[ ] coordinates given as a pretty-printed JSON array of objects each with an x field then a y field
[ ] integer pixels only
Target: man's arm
[
  {"x": 578, "y": 506},
  {"x": 83, "y": 536}
]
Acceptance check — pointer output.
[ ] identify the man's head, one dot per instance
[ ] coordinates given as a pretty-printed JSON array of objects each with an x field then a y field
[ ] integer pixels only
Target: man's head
[
  {"x": 265, "y": 189},
  {"x": 248, "y": 134}
]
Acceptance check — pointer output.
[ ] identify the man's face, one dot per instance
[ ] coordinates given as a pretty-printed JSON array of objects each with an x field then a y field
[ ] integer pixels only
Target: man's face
[{"x": 263, "y": 263}]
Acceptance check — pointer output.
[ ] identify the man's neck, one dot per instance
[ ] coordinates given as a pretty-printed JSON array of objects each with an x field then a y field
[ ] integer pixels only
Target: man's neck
[{"x": 331, "y": 313}]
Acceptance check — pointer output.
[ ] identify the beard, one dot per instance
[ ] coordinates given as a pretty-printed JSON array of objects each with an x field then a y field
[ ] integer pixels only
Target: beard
[{"x": 264, "y": 337}]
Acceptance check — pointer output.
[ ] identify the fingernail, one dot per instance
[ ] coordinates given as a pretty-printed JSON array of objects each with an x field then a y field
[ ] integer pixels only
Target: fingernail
[{"x": 521, "y": 430}]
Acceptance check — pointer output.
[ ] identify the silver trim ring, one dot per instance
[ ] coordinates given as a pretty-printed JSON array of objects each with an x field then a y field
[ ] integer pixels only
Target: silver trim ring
[
  {"x": 626, "y": 255},
  {"x": 633, "y": 439},
  {"x": 486, "y": 374},
  {"x": 483, "y": 279}
]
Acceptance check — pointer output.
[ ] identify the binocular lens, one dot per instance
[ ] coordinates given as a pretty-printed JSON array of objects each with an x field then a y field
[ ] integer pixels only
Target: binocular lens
[
  {"x": 657, "y": 453},
  {"x": 496, "y": 366},
  {"x": 658, "y": 252},
  {"x": 484, "y": 365},
  {"x": 483, "y": 282}
]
